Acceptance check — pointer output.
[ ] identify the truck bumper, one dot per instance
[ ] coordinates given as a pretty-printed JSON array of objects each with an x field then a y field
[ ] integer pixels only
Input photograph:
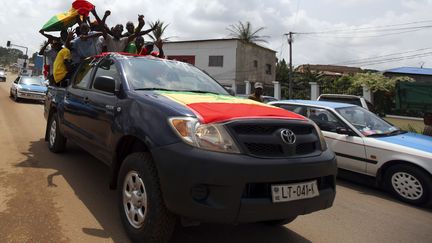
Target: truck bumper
[{"x": 232, "y": 188}]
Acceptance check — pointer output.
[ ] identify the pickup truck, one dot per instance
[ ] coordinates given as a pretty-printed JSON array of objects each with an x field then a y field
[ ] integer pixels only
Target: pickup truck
[{"x": 179, "y": 146}]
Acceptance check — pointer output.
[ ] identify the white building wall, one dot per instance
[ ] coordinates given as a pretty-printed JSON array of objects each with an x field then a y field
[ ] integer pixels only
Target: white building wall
[{"x": 202, "y": 50}]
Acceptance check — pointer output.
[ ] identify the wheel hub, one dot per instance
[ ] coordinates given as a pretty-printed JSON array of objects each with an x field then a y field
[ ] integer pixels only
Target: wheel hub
[
  {"x": 52, "y": 135},
  {"x": 134, "y": 199},
  {"x": 407, "y": 185}
]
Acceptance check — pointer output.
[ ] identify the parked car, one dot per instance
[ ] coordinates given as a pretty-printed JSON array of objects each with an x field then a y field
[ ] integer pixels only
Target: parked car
[
  {"x": 401, "y": 162},
  {"x": 29, "y": 88},
  {"x": 266, "y": 98},
  {"x": 179, "y": 145},
  {"x": 3, "y": 76},
  {"x": 350, "y": 99}
]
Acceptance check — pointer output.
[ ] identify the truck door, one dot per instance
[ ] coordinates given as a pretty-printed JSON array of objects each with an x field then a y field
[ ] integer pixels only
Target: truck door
[
  {"x": 104, "y": 106},
  {"x": 76, "y": 112}
]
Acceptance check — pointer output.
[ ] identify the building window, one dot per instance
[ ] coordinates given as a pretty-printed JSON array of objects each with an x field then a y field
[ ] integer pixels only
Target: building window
[
  {"x": 215, "y": 61},
  {"x": 268, "y": 69},
  {"x": 255, "y": 64}
]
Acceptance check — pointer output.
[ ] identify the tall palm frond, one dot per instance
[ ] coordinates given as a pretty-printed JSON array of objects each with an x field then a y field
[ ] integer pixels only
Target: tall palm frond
[
  {"x": 244, "y": 32},
  {"x": 158, "y": 33}
]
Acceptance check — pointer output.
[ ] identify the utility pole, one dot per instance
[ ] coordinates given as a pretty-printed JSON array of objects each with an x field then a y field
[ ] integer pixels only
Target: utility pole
[
  {"x": 9, "y": 44},
  {"x": 290, "y": 76}
]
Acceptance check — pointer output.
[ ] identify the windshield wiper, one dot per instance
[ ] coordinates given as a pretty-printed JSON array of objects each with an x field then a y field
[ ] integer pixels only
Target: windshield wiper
[
  {"x": 200, "y": 92},
  {"x": 392, "y": 133},
  {"x": 162, "y": 89}
]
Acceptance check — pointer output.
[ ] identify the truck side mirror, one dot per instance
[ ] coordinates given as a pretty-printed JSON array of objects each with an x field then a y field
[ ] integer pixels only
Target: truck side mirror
[
  {"x": 343, "y": 131},
  {"x": 106, "y": 84}
]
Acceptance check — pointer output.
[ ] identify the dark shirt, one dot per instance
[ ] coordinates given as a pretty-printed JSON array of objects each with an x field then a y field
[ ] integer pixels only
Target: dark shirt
[{"x": 254, "y": 97}]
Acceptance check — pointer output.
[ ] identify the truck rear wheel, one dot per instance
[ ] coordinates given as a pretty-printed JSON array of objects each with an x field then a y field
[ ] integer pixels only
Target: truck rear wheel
[
  {"x": 56, "y": 141},
  {"x": 142, "y": 209}
]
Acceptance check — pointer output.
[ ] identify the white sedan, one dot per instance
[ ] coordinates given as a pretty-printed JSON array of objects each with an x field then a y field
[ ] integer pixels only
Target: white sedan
[{"x": 401, "y": 162}]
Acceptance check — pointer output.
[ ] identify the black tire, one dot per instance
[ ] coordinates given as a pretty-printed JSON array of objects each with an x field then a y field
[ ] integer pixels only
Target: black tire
[
  {"x": 56, "y": 144},
  {"x": 401, "y": 180},
  {"x": 279, "y": 222},
  {"x": 16, "y": 97},
  {"x": 158, "y": 223}
]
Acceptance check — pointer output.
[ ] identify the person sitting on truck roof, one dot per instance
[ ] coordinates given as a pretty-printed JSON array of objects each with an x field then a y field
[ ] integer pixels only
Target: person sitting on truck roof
[
  {"x": 258, "y": 92},
  {"x": 148, "y": 49},
  {"x": 86, "y": 44}
]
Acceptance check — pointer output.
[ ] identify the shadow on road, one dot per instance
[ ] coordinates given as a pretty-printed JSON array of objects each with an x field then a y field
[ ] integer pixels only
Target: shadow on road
[
  {"x": 365, "y": 187},
  {"x": 88, "y": 177}
]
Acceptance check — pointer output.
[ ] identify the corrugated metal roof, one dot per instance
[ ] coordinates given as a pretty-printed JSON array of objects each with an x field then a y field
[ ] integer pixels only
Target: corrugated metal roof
[{"x": 410, "y": 70}]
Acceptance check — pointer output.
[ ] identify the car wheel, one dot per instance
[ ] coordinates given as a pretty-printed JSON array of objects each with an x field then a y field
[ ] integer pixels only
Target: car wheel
[
  {"x": 279, "y": 222},
  {"x": 409, "y": 184},
  {"x": 56, "y": 141},
  {"x": 16, "y": 97},
  {"x": 142, "y": 209}
]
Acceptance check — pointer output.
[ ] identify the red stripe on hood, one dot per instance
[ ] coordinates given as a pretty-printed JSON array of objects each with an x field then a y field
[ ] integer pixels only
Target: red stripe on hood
[{"x": 219, "y": 112}]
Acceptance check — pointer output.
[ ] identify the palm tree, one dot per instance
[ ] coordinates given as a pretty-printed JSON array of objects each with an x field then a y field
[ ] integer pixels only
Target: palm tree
[
  {"x": 244, "y": 32},
  {"x": 159, "y": 32}
]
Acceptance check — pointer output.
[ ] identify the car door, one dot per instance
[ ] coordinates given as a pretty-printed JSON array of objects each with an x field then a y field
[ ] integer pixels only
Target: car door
[
  {"x": 14, "y": 85},
  {"x": 104, "y": 107},
  {"x": 349, "y": 148},
  {"x": 76, "y": 111}
]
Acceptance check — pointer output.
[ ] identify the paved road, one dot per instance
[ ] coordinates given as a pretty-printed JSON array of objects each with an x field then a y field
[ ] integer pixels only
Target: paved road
[{"x": 46, "y": 197}]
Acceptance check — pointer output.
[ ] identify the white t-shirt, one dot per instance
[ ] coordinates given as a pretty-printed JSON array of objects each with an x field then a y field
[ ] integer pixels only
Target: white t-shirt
[
  {"x": 115, "y": 45},
  {"x": 50, "y": 55}
]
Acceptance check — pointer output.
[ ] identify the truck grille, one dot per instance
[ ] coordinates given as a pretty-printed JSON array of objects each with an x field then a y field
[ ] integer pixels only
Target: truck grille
[{"x": 263, "y": 138}]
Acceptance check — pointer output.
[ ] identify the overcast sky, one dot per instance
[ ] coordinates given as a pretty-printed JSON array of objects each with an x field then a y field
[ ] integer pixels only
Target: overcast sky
[{"x": 20, "y": 21}]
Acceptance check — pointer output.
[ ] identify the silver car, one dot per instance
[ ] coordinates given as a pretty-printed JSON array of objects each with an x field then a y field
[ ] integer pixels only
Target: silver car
[
  {"x": 29, "y": 88},
  {"x": 3, "y": 76}
]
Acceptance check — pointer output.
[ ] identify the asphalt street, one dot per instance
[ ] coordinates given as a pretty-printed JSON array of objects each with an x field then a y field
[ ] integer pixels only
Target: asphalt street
[{"x": 46, "y": 197}]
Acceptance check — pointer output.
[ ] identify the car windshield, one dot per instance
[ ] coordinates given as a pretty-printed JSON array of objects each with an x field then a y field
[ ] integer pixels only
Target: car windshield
[
  {"x": 155, "y": 74},
  {"x": 31, "y": 81},
  {"x": 366, "y": 122}
]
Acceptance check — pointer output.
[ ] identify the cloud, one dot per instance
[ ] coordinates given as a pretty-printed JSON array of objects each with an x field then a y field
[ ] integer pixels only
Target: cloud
[{"x": 195, "y": 19}]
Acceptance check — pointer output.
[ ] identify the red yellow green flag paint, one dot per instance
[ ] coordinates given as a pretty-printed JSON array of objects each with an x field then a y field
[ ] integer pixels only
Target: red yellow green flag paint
[
  {"x": 210, "y": 108},
  {"x": 64, "y": 20}
]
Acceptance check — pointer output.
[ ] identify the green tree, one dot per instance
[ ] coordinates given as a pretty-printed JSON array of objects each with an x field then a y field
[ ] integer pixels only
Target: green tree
[
  {"x": 382, "y": 87},
  {"x": 159, "y": 32},
  {"x": 246, "y": 33}
]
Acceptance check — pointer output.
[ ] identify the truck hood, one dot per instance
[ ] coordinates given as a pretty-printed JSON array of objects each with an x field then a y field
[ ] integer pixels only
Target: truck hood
[
  {"x": 411, "y": 140},
  {"x": 210, "y": 108}
]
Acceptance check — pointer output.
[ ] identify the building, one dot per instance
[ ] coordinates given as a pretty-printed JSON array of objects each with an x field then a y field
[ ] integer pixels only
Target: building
[
  {"x": 329, "y": 70},
  {"x": 229, "y": 61},
  {"x": 421, "y": 75}
]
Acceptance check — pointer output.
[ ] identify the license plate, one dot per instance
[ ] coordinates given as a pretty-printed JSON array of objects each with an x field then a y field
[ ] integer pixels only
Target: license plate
[{"x": 297, "y": 191}]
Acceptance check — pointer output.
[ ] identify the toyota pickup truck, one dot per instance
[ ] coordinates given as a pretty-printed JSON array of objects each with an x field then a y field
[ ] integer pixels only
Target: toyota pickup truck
[{"x": 179, "y": 146}]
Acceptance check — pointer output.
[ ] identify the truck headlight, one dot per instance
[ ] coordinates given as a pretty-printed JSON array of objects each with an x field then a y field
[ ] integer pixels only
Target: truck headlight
[
  {"x": 321, "y": 137},
  {"x": 212, "y": 137}
]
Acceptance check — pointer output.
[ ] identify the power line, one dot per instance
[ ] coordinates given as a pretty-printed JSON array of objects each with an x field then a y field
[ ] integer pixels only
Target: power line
[
  {"x": 353, "y": 61},
  {"x": 367, "y": 28},
  {"x": 370, "y": 36},
  {"x": 393, "y": 59}
]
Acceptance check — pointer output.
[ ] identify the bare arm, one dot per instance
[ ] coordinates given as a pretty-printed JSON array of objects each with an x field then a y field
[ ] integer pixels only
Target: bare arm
[
  {"x": 141, "y": 23},
  {"x": 141, "y": 33},
  {"x": 50, "y": 37},
  {"x": 105, "y": 29},
  {"x": 42, "y": 50},
  {"x": 68, "y": 43}
]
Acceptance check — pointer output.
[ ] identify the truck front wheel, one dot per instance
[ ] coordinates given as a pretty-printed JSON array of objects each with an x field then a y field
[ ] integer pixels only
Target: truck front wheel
[
  {"x": 56, "y": 141},
  {"x": 142, "y": 209}
]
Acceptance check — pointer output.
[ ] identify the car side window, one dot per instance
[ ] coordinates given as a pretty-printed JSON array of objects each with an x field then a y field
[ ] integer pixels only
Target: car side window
[
  {"x": 296, "y": 109},
  {"x": 325, "y": 120},
  {"x": 83, "y": 75},
  {"x": 107, "y": 68}
]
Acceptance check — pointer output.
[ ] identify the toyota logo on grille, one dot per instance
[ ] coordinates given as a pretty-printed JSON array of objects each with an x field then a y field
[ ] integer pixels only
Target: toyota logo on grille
[{"x": 288, "y": 136}]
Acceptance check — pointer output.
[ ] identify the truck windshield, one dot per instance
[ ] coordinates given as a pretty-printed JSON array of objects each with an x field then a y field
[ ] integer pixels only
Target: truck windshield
[
  {"x": 367, "y": 123},
  {"x": 153, "y": 74}
]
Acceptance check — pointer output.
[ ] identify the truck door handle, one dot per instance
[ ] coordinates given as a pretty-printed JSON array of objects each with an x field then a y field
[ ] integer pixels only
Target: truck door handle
[{"x": 86, "y": 100}]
